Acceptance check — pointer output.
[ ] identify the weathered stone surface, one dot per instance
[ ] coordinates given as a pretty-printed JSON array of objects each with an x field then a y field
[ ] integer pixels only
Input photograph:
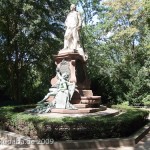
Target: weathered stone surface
[
  {"x": 79, "y": 111},
  {"x": 86, "y": 93},
  {"x": 90, "y": 102},
  {"x": 77, "y": 68},
  {"x": 86, "y": 106},
  {"x": 65, "y": 67}
]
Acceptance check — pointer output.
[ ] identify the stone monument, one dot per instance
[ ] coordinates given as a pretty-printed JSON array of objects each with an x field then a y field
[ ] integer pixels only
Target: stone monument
[{"x": 70, "y": 91}]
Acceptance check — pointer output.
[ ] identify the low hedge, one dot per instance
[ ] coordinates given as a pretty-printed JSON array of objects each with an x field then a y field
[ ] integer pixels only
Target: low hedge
[{"x": 69, "y": 128}]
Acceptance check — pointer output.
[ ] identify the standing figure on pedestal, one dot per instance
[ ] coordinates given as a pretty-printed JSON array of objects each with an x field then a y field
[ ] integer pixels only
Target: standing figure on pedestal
[
  {"x": 73, "y": 24},
  {"x": 71, "y": 39}
]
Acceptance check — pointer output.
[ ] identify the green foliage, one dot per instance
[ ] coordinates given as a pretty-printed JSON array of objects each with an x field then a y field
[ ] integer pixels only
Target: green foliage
[
  {"x": 138, "y": 87},
  {"x": 146, "y": 100},
  {"x": 118, "y": 49},
  {"x": 30, "y": 33},
  {"x": 70, "y": 128},
  {"x": 115, "y": 34}
]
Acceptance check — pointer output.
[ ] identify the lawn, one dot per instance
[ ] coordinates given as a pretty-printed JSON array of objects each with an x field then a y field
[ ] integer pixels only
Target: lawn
[{"x": 13, "y": 118}]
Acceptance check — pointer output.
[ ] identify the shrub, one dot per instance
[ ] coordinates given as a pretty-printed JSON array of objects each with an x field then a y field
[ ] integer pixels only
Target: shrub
[
  {"x": 139, "y": 86},
  {"x": 146, "y": 100},
  {"x": 68, "y": 128}
]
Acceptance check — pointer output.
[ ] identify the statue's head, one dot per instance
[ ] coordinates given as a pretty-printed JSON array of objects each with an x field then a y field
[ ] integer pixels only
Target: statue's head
[
  {"x": 65, "y": 76},
  {"x": 73, "y": 7}
]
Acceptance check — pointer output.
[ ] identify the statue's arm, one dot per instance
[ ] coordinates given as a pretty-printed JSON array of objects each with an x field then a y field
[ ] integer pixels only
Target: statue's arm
[
  {"x": 59, "y": 76},
  {"x": 66, "y": 21},
  {"x": 79, "y": 21}
]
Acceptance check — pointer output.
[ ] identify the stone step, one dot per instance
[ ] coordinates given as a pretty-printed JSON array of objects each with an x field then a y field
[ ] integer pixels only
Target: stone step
[
  {"x": 87, "y": 100},
  {"x": 90, "y": 97},
  {"x": 94, "y": 101},
  {"x": 87, "y": 105},
  {"x": 82, "y": 105},
  {"x": 86, "y": 93},
  {"x": 76, "y": 111},
  {"x": 90, "y": 100}
]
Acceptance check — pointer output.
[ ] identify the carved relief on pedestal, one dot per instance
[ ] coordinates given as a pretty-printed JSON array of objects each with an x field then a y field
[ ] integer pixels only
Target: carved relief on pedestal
[{"x": 64, "y": 67}]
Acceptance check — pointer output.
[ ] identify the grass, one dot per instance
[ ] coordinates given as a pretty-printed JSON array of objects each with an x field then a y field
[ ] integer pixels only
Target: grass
[{"x": 13, "y": 118}]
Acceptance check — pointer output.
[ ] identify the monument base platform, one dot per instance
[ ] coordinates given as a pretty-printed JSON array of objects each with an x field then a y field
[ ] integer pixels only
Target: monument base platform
[
  {"x": 107, "y": 112},
  {"x": 78, "y": 111},
  {"x": 83, "y": 99}
]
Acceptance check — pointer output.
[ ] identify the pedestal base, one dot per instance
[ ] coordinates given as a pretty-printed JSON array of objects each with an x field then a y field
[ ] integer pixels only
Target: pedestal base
[
  {"x": 83, "y": 98},
  {"x": 79, "y": 111}
]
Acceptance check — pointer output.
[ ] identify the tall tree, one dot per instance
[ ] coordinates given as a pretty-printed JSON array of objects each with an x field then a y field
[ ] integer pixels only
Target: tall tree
[
  {"x": 30, "y": 33},
  {"x": 118, "y": 48}
]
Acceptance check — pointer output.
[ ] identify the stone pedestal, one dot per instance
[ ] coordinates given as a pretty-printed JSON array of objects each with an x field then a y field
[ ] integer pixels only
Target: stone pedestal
[
  {"x": 77, "y": 69},
  {"x": 83, "y": 98}
]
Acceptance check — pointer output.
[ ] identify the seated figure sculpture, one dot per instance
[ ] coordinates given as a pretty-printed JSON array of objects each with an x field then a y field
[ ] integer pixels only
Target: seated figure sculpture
[
  {"x": 62, "y": 92},
  {"x": 65, "y": 92}
]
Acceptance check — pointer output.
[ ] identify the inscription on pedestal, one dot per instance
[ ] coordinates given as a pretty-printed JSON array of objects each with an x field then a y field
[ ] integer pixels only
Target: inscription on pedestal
[{"x": 64, "y": 67}]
